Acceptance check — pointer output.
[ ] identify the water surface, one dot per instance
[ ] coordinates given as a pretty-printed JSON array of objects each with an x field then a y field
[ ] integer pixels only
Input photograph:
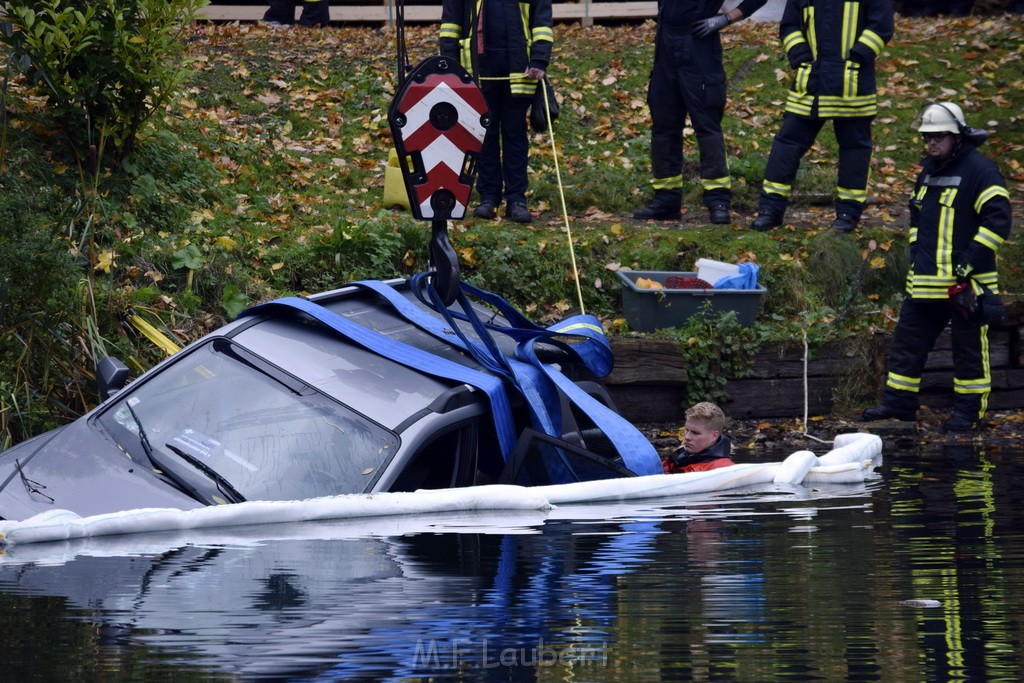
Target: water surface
[{"x": 916, "y": 576}]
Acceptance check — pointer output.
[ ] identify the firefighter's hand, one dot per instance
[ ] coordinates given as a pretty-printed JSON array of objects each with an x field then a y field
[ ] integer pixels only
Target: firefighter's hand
[
  {"x": 963, "y": 299},
  {"x": 705, "y": 27},
  {"x": 534, "y": 72}
]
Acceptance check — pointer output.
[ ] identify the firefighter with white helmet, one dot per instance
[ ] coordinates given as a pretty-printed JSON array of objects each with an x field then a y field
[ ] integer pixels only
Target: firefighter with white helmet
[
  {"x": 943, "y": 117},
  {"x": 959, "y": 217}
]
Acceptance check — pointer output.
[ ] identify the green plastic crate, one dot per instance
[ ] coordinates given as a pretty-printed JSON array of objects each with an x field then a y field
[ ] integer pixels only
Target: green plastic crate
[{"x": 647, "y": 310}]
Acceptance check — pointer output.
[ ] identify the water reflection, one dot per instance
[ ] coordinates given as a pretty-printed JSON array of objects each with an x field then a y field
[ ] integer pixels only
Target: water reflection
[{"x": 788, "y": 584}]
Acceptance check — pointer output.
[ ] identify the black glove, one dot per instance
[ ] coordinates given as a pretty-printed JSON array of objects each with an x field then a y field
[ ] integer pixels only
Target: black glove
[{"x": 705, "y": 27}]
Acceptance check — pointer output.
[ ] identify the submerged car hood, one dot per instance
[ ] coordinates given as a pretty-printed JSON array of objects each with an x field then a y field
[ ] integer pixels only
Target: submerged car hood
[{"x": 77, "y": 468}]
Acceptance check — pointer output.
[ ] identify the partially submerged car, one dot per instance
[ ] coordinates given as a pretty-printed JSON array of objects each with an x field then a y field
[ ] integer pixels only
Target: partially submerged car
[{"x": 349, "y": 391}]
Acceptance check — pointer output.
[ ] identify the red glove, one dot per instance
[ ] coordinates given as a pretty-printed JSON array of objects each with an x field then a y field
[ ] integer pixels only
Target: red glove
[{"x": 963, "y": 299}]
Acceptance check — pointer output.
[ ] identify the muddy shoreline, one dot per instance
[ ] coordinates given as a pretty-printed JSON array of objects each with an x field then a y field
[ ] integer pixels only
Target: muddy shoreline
[{"x": 1001, "y": 428}]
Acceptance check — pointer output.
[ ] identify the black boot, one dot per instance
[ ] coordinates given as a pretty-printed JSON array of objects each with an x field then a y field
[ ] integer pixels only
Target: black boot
[
  {"x": 884, "y": 412},
  {"x": 958, "y": 422},
  {"x": 766, "y": 220},
  {"x": 718, "y": 212},
  {"x": 665, "y": 206},
  {"x": 844, "y": 222}
]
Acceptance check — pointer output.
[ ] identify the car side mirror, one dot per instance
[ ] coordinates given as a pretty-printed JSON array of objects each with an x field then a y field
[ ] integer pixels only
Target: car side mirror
[{"x": 111, "y": 376}]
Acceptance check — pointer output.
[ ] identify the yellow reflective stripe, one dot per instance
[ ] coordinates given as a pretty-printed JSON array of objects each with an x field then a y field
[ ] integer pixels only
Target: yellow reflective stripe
[
  {"x": 799, "y": 104},
  {"x": 834, "y": 105},
  {"x": 944, "y": 244},
  {"x": 987, "y": 194},
  {"x": 850, "y": 79},
  {"x": 912, "y": 234},
  {"x": 580, "y": 326},
  {"x": 850, "y": 12},
  {"x": 930, "y": 294},
  {"x": 904, "y": 383},
  {"x": 972, "y": 386},
  {"x": 792, "y": 40},
  {"x": 777, "y": 188},
  {"x": 673, "y": 183},
  {"x": 716, "y": 183},
  {"x": 451, "y": 31},
  {"x": 544, "y": 33},
  {"x": 521, "y": 85},
  {"x": 986, "y": 367},
  {"x": 872, "y": 40},
  {"x": 990, "y": 239},
  {"x": 851, "y": 194},
  {"x": 812, "y": 37},
  {"x": 800, "y": 78},
  {"x": 988, "y": 280},
  {"x": 935, "y": 280},
  {"x": 154, "y": 335}
]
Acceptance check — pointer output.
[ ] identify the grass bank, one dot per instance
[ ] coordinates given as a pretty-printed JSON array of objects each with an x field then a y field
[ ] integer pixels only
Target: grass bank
[{"x": 265, "y": 177}]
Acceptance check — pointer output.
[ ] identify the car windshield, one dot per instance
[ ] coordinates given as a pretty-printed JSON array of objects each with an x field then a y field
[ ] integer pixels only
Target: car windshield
[{"x": 268, "y": 435}]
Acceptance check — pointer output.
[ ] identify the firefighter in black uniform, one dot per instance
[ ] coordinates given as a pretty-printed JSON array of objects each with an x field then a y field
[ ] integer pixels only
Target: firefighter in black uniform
[
  {"x": 959, "y": 216},
  {"x": 832, "y": 45},
  {"x": 507, "y": 45},
  {"x": 688, "y": 79},
  {"x": 314, "y": 13}
]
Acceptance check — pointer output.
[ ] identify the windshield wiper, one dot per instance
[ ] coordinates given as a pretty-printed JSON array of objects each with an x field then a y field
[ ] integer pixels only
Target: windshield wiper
[
  {"x": 223, "y": 485},
  {"x": 147, "y": 447}
]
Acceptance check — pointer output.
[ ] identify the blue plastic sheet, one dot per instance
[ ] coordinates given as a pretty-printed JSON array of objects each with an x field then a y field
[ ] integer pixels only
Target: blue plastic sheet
[{"x": 745, "y": 279}]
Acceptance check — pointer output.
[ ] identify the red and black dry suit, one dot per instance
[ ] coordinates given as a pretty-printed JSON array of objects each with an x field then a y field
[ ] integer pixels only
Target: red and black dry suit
[
  {"x": 497, "y": 40},
  {"x": 832, "y": 46},
  {"x": 711, "y": 458},
  {"x": 959, "y": 216},
  {"x": 687, "y": 78}
]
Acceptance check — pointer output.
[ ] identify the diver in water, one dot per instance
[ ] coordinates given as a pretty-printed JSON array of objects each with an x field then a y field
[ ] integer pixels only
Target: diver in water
[{"x": 704, "y": 447}]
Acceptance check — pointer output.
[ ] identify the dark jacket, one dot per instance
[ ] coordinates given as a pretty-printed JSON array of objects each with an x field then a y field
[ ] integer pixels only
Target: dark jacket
[
  {"x": 714, "y": 456},
  {"x": 959, "y": 215},
  {"x": 832, "y": 45},
  {"x": 526, "y": 41}
]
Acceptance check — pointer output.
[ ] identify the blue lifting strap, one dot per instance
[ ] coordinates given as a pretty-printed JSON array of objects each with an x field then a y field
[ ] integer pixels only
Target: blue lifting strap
[
  {"x": 412, "y": 357},
  {"x": 542, "y": 402},
  {"x": 582, "y": 337}
]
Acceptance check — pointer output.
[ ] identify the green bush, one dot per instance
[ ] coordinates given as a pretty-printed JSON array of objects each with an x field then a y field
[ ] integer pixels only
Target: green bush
[{"x": 104, "y": 66}]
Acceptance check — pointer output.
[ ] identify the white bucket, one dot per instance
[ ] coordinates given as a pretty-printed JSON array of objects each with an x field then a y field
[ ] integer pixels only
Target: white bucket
[{"x": 713, "y": 271}]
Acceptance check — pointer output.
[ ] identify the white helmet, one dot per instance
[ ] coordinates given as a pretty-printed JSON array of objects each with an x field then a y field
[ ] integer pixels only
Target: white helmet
[{"x": 943, "y": 116}]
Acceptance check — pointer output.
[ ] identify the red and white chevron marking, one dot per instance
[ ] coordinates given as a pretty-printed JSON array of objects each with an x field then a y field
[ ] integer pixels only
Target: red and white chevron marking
[{"x": 443, "y": 151}]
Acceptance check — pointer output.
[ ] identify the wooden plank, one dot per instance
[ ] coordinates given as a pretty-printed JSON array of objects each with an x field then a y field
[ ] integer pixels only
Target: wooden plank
[
  {"x": 385, "y": 12},
  {"x": 777, "y": 362},
  {"x": 647, "y": 361},
  {"x": 750, "y": 398},
  {"x": 644, "y": 404}
]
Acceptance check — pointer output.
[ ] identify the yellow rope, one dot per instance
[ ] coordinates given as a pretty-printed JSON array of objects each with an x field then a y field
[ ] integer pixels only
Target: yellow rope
[
  {"x": 561, "y": 188},
  {"x": 154, "y": 335}
]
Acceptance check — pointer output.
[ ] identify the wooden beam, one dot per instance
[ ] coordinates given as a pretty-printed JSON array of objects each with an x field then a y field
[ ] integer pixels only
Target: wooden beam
[{"x": 384, "y": 13}]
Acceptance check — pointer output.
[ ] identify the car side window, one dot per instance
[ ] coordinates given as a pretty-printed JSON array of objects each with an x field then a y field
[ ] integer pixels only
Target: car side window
[{"x": 446, "y": 461}]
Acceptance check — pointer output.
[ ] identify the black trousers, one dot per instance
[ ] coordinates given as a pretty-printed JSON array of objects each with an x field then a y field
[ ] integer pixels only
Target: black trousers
[
  {"x": 688, "y": 79},
  {"x": 920, "y": 324},
  {"x": 314, "y": 12},
  {"x": 791, "y": 143},
  {"x": 502, "y": 163}
]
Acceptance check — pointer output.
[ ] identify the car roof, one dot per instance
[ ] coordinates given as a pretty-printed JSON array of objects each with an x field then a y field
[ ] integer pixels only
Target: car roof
[{"x": 382, "y": 389}]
